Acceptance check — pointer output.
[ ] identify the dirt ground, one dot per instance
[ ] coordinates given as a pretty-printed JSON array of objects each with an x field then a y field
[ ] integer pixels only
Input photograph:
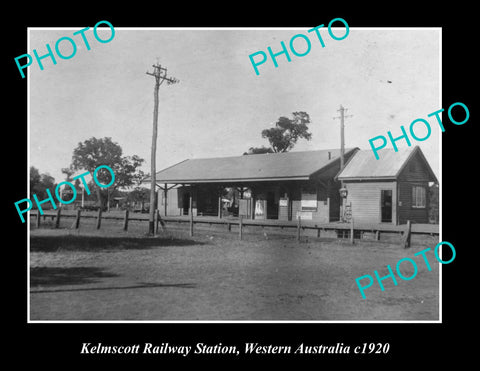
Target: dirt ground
[{"x": 113, "y": 275}]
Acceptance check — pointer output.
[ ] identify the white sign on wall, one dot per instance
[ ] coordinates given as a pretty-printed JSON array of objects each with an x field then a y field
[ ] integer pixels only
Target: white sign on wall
[
  {"x": 305, "y": 215},
  {"x": 309, "y": 205},
  {"x": 259, "y": 208}
]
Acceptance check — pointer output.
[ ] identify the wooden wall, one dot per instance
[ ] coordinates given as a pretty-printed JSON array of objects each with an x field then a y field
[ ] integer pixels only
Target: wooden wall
[
  {"x": 173, "y": 202},
  {"x": 308, "y": 191},
  {"x": 413, "y": 174},
  {"x": 405, "y": 209},
  {"x": 365, "y": 197},
  {"x": 414, "y": 171}
]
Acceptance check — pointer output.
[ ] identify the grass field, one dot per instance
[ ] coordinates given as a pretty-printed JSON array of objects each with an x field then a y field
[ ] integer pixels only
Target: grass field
[{"x": 114, "y": 275}]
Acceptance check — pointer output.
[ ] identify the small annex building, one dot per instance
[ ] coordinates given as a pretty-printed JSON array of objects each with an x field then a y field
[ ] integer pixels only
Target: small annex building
[
  {"x": 392, "y": 189},
  {"x": 280, "y": 186}
]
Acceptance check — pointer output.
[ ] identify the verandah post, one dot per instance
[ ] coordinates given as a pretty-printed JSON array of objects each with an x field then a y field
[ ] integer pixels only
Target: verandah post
[{"x": 165, "y": 199}]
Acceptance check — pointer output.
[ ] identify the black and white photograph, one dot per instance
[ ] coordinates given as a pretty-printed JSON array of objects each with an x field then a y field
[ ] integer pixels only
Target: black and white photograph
[
  {"x": 243, "y": 188},
  {"x": 270, "y": 197}
]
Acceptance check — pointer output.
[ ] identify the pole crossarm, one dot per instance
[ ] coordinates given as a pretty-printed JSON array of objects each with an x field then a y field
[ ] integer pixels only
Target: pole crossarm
[{"x": 160, "y": 74}]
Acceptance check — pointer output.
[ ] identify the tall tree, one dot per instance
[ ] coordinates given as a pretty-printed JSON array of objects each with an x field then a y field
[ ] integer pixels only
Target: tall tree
[
  {"x": 40, "y": 182},
  {"x": 287, "y": 131},
  {"x": 34, "y": 179},
  {"x": 93, "y": 152},
  {"x": 285, "y": 134}
]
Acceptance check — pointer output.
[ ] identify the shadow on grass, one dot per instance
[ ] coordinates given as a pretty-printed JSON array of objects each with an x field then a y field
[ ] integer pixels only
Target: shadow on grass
[
  {"x": 54, "y": 276},
  {"x": 96, "y": 243},
  {"x": 50, "y": 276}
]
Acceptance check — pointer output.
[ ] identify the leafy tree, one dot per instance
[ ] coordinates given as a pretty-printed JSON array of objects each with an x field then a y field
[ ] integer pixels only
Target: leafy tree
[
  {"x": 258, "y": 150},
  {"x": 92, "y": 197},
  {"x": 34, "y": 179},
  {"x": 139, "y": 195},
  {"x": 40, "y": 182},
  {"x": 285, "y": 134},
  {"x": 68, "y": 171},
  {"x": 93, "y": 152}
]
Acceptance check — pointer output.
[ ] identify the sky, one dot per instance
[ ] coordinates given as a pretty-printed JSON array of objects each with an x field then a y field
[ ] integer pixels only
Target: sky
[{"x": 384, "y": 77}]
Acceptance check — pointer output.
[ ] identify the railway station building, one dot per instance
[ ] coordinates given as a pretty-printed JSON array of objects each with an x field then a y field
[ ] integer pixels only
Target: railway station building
[
  {"x": 285, "y": 186},
  {"x": 391, "y": 190},
  {"x": 280, "y": 186}
]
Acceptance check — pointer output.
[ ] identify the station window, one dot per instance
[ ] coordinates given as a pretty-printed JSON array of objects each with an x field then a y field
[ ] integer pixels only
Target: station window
[{"x": 419, "y": 196}]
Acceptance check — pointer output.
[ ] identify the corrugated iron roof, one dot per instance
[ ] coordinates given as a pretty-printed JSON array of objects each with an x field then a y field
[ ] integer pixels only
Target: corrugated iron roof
[
  {"x": 364, "y": 165},
  {"x": 261, "y": 167}
]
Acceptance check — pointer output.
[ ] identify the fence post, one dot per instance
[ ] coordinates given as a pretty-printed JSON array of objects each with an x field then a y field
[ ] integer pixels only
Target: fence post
[
  {"x": 38, "y": 219},
  {"x": 77, "y": 219},
  {"x": 125, "y": 220},
  {"x": 240, "y": 227},
  {"x": 352, "y": 231},
  {"x": 220, "y": 207},
  {"x": 161, "y": 221},
  {"x": 57, "y": 221},
  {"x": 190, "y": 212},
  {"x": 298, "y": 227},
  {"x": 155, "y": 220},
  {"x": 99, "y": 217},
  {"x": 406, "y": 241}
]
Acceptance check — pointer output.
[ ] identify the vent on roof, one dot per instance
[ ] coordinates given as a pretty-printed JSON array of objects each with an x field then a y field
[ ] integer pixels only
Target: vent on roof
[{"x": 329, "y": 155}]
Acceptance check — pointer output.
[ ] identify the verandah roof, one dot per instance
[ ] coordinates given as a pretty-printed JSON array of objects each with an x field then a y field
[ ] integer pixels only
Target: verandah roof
[{"x": 262, "y": 167}]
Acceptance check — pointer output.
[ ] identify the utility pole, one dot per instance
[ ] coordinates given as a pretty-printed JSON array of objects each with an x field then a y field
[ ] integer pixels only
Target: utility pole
[
  {"x": 342, "y": 158},
  {"x": 342, "y": 135},
  {"x": 160, "y": 75}
]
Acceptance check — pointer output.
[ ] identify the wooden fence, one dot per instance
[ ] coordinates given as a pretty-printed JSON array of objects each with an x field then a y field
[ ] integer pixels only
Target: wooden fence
[{"x": 349, "y": 230}]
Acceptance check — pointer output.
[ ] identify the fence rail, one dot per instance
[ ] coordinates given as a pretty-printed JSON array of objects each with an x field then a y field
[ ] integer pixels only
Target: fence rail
[{"x": 349, "y": 230}]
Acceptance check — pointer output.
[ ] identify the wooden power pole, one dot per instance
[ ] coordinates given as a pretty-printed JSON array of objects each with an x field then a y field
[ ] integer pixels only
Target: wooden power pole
[
  {"x": 160, "y": 75},
  {"x": 342, "y": 152},
  {"x": 342, "y": 136}
]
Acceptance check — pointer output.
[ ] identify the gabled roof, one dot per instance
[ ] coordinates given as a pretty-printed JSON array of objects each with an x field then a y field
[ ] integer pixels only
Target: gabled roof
[
  {"x": 261, "y": 167},
  {"x": 363, "y": 165}
]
